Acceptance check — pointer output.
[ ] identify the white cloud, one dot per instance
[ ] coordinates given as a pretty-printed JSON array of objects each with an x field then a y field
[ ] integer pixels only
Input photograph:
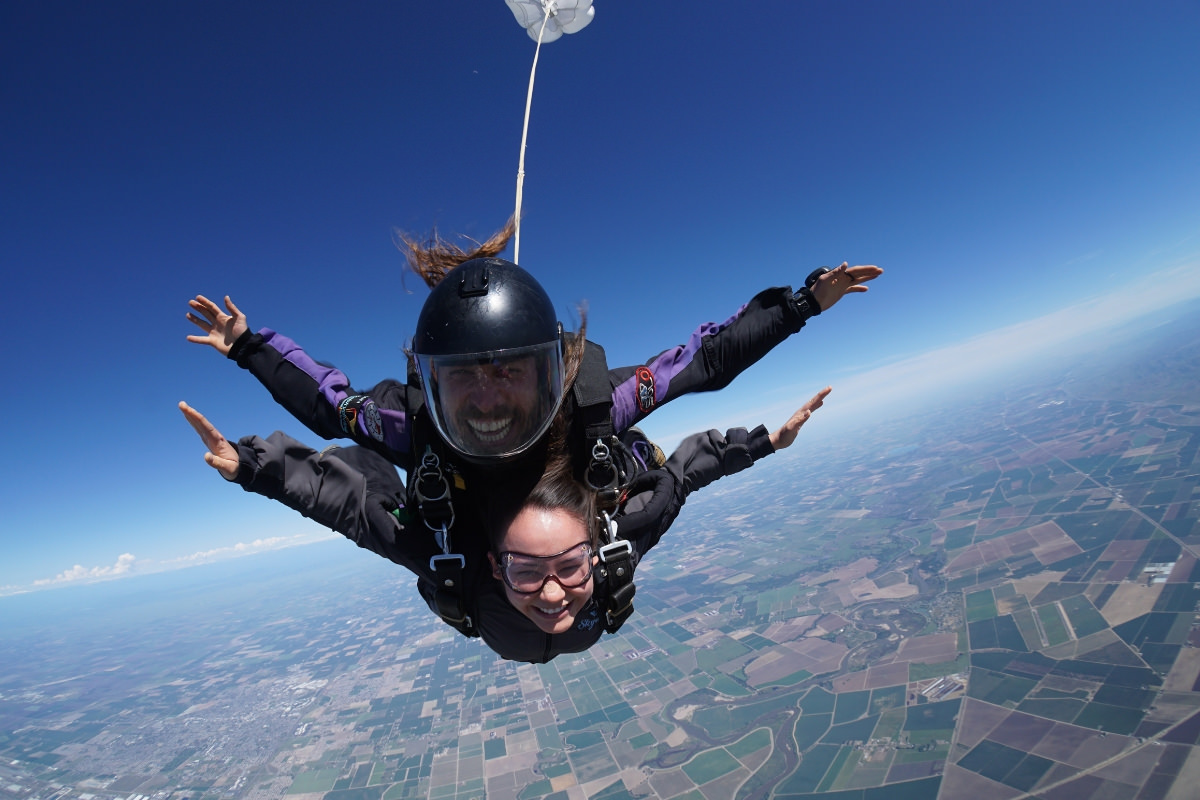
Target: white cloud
[
  {"x": 127, "y": 564},
  {"x": 242, "y": 549},
  {"x": 124, "y": 564}
]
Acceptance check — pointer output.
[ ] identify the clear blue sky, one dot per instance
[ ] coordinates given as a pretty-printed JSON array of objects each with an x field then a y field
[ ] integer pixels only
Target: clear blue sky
[{"x": 1001, "y": 160}]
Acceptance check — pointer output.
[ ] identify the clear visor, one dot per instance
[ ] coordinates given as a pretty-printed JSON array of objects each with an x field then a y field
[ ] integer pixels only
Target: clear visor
[
  {"x": 526, "y": 574},
  {"x": 494, "y": 404}
]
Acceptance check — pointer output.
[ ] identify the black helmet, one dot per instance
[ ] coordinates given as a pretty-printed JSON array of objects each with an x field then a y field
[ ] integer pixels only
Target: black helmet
[{"x": 488, "y": 346}]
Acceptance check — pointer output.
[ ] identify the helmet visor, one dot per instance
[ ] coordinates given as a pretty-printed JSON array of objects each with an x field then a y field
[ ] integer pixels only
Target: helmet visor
[{"x": 493, "y": 404}]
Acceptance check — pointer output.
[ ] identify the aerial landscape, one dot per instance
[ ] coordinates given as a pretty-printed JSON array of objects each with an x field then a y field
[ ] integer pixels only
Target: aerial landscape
[
  {"x": 997, "y": 602},
  {"x": 973, "y": 575}
]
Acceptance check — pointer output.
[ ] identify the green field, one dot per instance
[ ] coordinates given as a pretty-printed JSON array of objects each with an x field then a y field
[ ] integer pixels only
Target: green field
[
  {"x": 710, "y": 765},
  {"x": 981, "y": 605},
  {"x": 1052, "y": 624}
]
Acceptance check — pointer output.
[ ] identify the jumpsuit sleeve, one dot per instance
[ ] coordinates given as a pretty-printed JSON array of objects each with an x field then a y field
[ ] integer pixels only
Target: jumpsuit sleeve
[
  {"x": 360, "y": 498},
  {"x": 715, "y": 354},
  {"x": 655, "y": 498},
  {"x": 320, "y": 396},
  {"x": 703, "y": 458}
]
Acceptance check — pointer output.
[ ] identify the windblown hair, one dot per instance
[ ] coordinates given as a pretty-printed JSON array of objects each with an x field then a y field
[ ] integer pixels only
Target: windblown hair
[{"x": 431, "y": 257}]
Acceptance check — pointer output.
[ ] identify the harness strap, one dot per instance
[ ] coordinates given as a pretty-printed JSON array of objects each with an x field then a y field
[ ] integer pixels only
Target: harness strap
[
  {"x": 448, "y": 595},
  {"x": 592, "y": 393},
  {"x": 616, "y": 565},
  {"x": 434, "y": 505}
]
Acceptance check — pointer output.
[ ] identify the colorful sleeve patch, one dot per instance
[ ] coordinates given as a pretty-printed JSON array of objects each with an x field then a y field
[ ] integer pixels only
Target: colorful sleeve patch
[
  {"x": 645, "y": 389},
  {"x": 358, "y": 407}
]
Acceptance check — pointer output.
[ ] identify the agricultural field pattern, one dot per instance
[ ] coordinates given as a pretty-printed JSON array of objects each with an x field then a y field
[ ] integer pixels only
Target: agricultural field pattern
[{"x": 998, "y": 602}]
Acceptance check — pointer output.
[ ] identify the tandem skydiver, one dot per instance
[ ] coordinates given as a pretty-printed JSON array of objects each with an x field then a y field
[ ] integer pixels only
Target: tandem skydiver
[
  {"x": 491, "y": 370},
  {"x": 541, "y": 584}
]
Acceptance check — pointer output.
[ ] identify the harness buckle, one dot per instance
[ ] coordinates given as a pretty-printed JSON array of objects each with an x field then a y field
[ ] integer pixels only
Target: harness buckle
[
  {"x": 615, "y": 550},
  {"x": 444, "y": 557}
]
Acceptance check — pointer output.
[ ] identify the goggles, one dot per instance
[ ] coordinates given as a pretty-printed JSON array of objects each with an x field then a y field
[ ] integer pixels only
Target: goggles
[{"x": 526, "y": 574}]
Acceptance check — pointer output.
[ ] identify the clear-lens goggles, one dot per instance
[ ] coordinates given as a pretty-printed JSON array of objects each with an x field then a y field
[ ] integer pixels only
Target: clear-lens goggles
[{"x": 526, "y": 574}]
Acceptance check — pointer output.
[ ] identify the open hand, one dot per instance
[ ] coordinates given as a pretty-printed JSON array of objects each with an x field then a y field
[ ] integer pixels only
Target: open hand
[
  {"x": 844, "y": 280},
  {"x": 787, "y": 434},
  {"x": 221, "y": 330},
  {"x": 221, "y": 455}
]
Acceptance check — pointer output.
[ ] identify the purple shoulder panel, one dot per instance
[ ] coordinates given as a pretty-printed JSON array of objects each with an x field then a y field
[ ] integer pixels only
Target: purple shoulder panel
[
  {"x": 629, "y": 402},
  {"x": 382, "y": 424},
  {"x": 331, "y": 382}
]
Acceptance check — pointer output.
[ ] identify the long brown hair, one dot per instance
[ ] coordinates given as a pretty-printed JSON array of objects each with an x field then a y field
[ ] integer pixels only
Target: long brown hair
[{"x": 431, "y": 256}]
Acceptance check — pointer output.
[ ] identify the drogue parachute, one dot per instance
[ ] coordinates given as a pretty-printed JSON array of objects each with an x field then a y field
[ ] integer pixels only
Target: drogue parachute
[
  {"x": 557, "y": 16},
  {"x": 545, "y": 20}
]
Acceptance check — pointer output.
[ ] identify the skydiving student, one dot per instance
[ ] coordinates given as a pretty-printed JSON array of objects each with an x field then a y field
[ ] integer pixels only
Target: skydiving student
[
  {"x": 539, "y": 586},
  {"x": 491, "y": 368}
]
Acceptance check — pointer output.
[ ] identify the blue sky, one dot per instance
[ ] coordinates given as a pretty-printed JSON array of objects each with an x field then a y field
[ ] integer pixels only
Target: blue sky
[{"x": 1022, "y": 170}]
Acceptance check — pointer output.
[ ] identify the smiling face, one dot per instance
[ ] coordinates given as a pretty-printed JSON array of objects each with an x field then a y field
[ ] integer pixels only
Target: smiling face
[
  {"x": 491, "y": 407},
  {"x": 542, "y": 532}
]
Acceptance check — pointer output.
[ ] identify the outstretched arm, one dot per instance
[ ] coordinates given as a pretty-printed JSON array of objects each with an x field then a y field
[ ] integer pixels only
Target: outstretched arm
[
  {"x": 705, "y": 457},
  {"x": 716, "y": 353},
  {"x": 318, "y": 395},
  {"x": 654, "y": 498},
  {"x": 352, "y": 491}
]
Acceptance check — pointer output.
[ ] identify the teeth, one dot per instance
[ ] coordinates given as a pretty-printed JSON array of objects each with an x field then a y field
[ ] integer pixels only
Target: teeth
[
  {"x": 552, "y": 611},
  {"x": 490, "y": 430}
]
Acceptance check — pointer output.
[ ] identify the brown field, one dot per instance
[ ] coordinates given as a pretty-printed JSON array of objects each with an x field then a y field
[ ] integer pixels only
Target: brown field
[
  {"x": 1124, "y": 550},
  {"x": 1186, "y": 671},
  {"x": 854, "y": 682},
  {"x": 882, "y": 675},
  {"x": 850, "y": 572},
  {"x": 792, "y": 629},
  {"x": 1047, "y": 542},
  {"x": 935, "y": 648},
  {"x": 815, "y": 655},
  {"x": 958, "y": 783},
  {"x": 1183, "y": 569},
  {"x": 975, "y": 721},
  {"x": 1130, "y": 601},
  {"x": 1189, "y": 778},
  {"x": 867, "y": 589},
  {"x": 1096, "y": 748},
  {"x": 1021, "y": 731}
]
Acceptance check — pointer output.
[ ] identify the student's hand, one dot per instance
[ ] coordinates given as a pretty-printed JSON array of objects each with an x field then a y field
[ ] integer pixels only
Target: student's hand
[
  {"x": 221, "y": 455},
  {"x": 787, "y": 434},
  {"x": 221, "y": 330},
  {"x": 844, "y": 280}
]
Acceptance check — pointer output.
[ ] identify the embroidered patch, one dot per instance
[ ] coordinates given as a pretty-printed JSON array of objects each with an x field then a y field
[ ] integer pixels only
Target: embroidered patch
[
  {"x": 371, "y": 420},
  {"x": 583, "y": 623},
  {"x": 645, "y": 389},
  {"x": 348, "y": 414},
  {"x": 356, "y": 407}
]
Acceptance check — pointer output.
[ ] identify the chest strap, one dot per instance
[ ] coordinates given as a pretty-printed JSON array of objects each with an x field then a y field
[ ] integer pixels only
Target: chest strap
[
  {"x": 436, "y": 510},
  {"x": 616, "y": 566}
]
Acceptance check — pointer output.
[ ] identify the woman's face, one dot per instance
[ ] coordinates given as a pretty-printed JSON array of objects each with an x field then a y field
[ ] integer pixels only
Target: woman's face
[{"x": 553, "y": 539}]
